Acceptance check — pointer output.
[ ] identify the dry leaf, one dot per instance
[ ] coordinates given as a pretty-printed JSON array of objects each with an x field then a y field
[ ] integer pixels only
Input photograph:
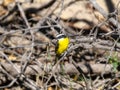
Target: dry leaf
[
  {"x": 12, "y": 57},
  {"x": 7, "y": 2}
]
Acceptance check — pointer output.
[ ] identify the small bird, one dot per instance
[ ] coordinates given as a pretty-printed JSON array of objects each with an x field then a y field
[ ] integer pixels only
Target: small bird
[{"x": 62, "y": 44}]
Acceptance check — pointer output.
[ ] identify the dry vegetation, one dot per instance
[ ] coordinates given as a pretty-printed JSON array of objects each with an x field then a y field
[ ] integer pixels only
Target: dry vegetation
[{"x": 27, "y": 50}]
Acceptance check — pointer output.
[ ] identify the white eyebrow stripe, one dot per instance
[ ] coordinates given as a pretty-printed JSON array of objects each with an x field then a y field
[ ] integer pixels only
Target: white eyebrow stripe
[{"x": 60, "y": 35}]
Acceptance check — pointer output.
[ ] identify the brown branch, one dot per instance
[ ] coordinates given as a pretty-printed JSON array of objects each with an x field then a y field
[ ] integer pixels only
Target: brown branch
[
  {"x": 90, "y": 42},
  {"x": 69, "y": 69},
  {"x": 105, "y": 14}
]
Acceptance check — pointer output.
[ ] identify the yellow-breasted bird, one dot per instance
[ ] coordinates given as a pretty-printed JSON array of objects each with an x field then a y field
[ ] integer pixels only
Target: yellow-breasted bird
[{"x": 62, "y": 44}]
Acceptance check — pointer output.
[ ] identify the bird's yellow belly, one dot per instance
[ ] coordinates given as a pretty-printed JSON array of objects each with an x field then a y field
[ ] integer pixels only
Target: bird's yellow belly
[{"x": 62, "y": 45}]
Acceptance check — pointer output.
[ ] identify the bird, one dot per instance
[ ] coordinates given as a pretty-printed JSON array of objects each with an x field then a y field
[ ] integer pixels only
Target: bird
[{"x": 62, "y": 44}]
